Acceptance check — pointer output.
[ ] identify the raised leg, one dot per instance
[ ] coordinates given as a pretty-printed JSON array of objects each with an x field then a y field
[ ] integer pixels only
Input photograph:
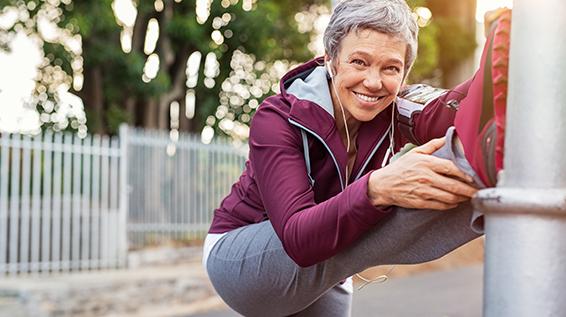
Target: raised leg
[{"x": 480, "y": 120}]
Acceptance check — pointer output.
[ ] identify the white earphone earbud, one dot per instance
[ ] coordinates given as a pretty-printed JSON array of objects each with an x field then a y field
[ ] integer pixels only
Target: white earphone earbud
[{"x": 329, "y": 68}]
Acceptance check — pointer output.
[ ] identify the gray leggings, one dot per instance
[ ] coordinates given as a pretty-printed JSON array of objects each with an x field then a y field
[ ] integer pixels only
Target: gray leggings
[{"x": 254, "y": 276}]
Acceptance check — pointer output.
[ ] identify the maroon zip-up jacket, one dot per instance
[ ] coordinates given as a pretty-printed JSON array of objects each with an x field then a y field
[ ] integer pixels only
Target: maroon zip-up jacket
[{"x": 315, "y": 222}]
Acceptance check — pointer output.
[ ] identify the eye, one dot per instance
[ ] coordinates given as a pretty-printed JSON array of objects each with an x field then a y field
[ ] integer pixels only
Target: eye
[
  {"x": 357, "y": 61},
  {"x": 393, "y": 69}
]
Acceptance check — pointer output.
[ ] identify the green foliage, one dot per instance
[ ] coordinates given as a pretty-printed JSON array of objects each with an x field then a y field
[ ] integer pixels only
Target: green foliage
[
  {"x": 115, "y": 116},
  {"x": 58, "y": 55},
  {"x": 455, "y": 42},
  {"x": 428, "y": 55},
  {"x": 183, "y": 28}
]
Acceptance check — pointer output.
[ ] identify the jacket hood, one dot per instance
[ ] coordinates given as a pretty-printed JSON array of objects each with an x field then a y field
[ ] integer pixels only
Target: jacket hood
[
  {"x": 305, "y": 90},
  {"x": 312, "y": 85}
]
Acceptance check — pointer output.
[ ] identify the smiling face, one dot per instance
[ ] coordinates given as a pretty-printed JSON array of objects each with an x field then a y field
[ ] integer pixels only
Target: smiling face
[{"x": 368, "y": 73}]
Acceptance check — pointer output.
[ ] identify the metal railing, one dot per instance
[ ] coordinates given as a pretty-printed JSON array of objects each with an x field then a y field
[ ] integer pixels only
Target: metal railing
[
  {"x": 65, "y": 205},
  {"x": 59, "y": 204},
  {"x": 175, "y": 186}
]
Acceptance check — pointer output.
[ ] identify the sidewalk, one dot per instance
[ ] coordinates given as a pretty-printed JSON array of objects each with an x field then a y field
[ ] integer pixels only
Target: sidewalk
[{"x": 174, "y": 287}]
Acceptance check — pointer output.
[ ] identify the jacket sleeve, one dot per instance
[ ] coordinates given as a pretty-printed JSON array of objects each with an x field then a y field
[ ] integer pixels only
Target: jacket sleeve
[
  {"x": 310, "y": 232},
  {"x": 437, "y": 117}
]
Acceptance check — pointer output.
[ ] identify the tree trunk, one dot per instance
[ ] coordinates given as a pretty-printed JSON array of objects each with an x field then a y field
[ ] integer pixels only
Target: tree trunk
[
  {"x": 130, "y": 105},
  {"x": 163, "y": 116},
  {"x": 93, "y": 98},
  {"x": 464, "y": 12},
  {"x": 150, "y": 114}
]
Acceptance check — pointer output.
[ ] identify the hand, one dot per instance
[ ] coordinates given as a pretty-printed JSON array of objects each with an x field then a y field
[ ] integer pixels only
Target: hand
[{"x": 420, "y": 180}]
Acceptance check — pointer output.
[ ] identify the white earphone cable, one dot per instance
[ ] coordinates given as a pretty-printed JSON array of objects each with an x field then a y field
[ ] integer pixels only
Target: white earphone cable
[
  {"x": 390, "y": 150},
  {"x": 343, "y": 117}
]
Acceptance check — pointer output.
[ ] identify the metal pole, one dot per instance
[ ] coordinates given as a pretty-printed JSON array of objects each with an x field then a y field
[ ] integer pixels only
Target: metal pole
[{"x": 525, "y": 255}]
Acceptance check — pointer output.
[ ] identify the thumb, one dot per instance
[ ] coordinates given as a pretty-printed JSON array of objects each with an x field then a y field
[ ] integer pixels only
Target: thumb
[{"x": 431, "y": 146}]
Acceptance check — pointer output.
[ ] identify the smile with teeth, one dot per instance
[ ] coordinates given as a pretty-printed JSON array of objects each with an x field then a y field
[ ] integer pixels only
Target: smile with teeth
[{"x": 367, "y": 98}]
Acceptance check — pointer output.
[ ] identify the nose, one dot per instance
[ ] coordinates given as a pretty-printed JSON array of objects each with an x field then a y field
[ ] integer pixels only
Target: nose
[{"x": 373, "y": 81}]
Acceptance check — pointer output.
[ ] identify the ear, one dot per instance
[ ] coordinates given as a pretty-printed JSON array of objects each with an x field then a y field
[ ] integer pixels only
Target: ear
[{"x": 328, "y": 64}]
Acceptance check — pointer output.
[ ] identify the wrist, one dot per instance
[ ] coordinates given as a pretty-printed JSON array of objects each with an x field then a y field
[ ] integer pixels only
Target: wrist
[{"x": 376, "y": 193}]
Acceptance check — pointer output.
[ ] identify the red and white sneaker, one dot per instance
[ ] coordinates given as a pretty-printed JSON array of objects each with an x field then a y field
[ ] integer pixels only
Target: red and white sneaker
[{"x": 480, "y": 119}]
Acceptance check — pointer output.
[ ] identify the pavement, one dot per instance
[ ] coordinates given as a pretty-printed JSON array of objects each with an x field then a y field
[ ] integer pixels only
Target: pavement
[
  {"x": 159, "y": 284},
  {"x": 451, "y": 293}
]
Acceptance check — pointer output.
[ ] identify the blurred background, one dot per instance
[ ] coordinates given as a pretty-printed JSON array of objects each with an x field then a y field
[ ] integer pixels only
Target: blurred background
[
  {"x": 124, "y": 123},
  {"x": 191, "y": 66}
]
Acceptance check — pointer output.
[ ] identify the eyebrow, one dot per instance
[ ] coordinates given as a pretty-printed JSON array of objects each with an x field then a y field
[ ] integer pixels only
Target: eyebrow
[{"x": 367, "y": 55}]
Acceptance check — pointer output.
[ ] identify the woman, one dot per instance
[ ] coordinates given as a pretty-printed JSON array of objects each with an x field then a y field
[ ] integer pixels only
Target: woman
[{"x": 314, "y": 204}]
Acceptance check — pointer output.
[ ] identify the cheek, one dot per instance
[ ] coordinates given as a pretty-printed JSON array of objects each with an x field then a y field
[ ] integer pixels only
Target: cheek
[
  {"x": 349, "y": 80},
  {"x": 393, "y": 84}
]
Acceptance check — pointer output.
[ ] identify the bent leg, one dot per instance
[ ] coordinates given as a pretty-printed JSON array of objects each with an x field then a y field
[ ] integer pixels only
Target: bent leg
[
  {"x": 337, "y": 302},
  {"x": 252, "y": 273}
]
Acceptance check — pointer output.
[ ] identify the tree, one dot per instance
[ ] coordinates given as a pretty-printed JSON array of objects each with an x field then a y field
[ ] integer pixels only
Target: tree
[
  {"x": 113, "y": 90},
  {"x": 456, "y": 25},
  {"x": 217, "y": 60}
]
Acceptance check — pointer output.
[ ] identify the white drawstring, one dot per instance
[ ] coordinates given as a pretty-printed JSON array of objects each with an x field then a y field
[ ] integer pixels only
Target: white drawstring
[{"x": 380, "y": 279}]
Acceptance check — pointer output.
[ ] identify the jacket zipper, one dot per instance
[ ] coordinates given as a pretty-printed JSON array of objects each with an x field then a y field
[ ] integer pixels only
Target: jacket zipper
[
  {"x": 295, "y": 123},
  {"x": 372, "y": 154}
]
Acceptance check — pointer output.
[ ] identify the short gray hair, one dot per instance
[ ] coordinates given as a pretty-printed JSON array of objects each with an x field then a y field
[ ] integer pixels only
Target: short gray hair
[{"x": 392, "y": 17}]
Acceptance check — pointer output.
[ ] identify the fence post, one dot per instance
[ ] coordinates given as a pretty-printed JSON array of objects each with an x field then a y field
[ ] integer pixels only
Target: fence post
[
  {"x": 124, "y": 193},
  {"x": 4, "y": 173},
  {"x": 525, "y": 256}
]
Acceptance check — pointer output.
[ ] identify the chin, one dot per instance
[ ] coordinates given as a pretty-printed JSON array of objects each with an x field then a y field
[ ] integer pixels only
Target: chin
[{"x": 365, "y": 116}]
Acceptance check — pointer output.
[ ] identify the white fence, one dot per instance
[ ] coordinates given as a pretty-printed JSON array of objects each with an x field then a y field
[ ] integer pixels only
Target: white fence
[
  {"x": 65, "y": 205},
  {"x": 175, "y": 186}
]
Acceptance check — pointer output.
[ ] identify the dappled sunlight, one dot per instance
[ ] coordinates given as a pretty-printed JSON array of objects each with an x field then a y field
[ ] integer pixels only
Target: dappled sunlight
[
  {"x": 16, "y": 89},
  {"x": 193, "y": 65},
  {"x": 151, "y": 36},
  {"x": 203, "y": 10},
  {"x": 34, "y": 81},
  {"x": 424, "y": 16},
  {"x": 151, "y": 68}
]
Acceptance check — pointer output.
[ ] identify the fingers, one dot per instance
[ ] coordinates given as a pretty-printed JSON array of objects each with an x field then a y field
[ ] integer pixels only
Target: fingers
[
  {"x": 431, "y": 146},
  {"x": 454, "y": 186},
  {"x": 444, "y": 196},
  {"x": 424, "y": 195}
]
